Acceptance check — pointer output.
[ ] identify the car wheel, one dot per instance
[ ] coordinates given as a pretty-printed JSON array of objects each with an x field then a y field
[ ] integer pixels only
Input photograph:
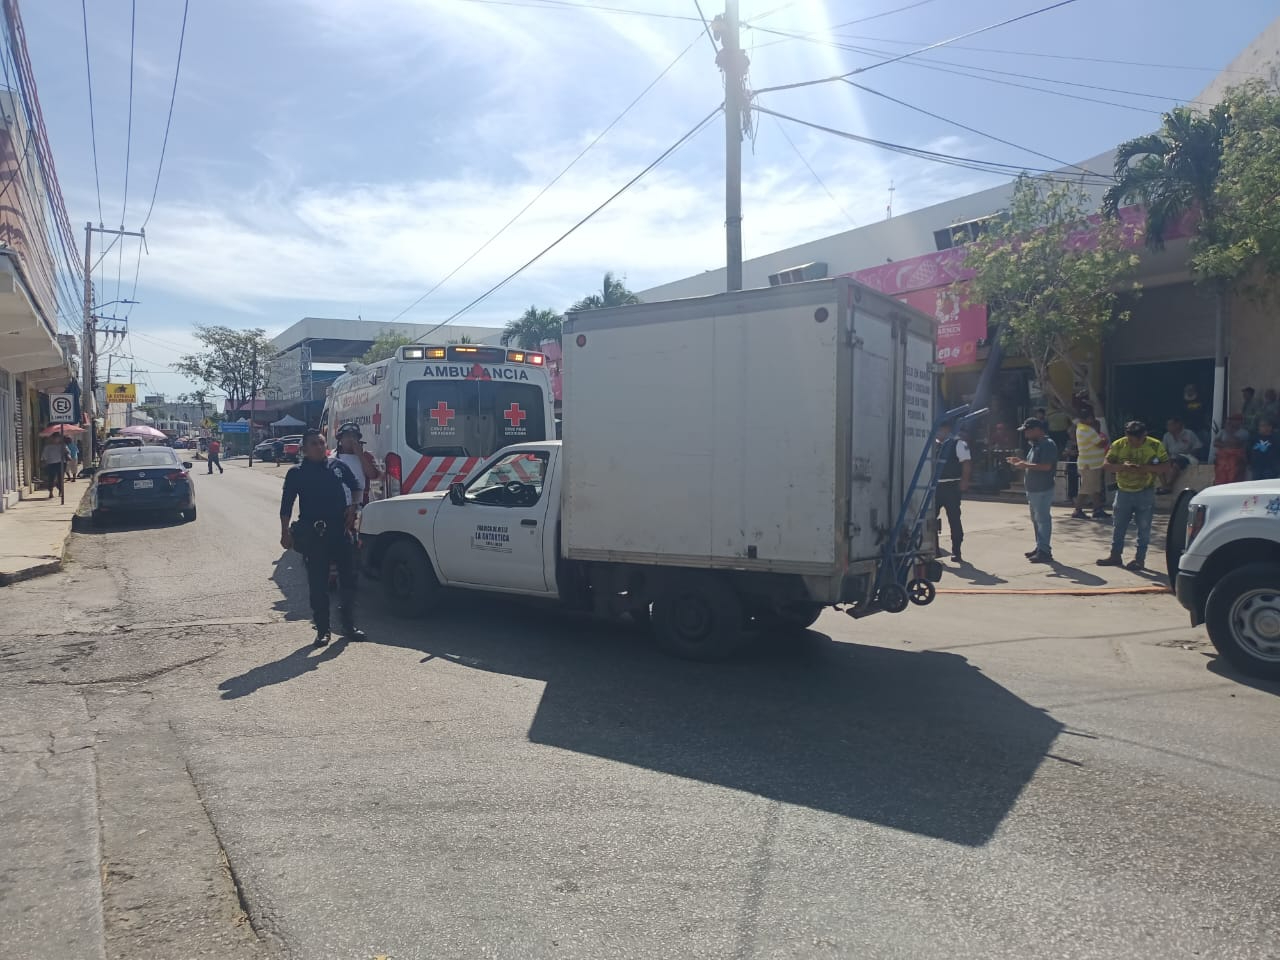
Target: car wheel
[
  {"x": 698, "y": 617},
  {"x": 1243, "y": 618},
  {"x": 189, "y": 515},
  {"x": 792, "y": 617},
  {"x": 409, "y": 582}
]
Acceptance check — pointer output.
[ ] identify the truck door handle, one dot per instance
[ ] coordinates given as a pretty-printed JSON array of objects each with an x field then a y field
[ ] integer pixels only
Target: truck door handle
[{"x": 528, "y": 523}]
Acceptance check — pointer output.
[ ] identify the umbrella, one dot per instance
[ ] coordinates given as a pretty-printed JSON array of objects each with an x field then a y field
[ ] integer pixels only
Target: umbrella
[
  {"x": 145, "y": 432},
  {"x": 56, "y": 428}
]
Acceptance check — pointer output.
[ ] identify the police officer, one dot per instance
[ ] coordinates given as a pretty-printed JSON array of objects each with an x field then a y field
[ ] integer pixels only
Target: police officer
[{"x": 326, "y": 493}]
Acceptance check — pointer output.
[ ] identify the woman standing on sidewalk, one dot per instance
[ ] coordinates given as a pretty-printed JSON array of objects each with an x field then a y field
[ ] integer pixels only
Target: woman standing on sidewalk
[{"x": 53, "y": 457}]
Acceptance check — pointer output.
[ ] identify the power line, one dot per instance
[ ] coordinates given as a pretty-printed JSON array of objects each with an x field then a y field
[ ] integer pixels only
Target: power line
[
  {"x": 919, "y": 50},
  {"x": 969, "y": 163},
  {"x": 173, "y": 95},
  {"x": 566, "y": 4},
  {"x": 128, "y": 137},
  {"x": 786, "y": 136},
  {"x": 93, "y": 126},
  {"x": 693, "y": 131},
  {"x": 964, "y": 126},
  {"x": 707, "y": 27},
  {"x": 554, "y": 180}
]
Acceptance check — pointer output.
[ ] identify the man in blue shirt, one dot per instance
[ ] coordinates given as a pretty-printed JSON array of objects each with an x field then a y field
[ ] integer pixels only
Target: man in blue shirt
[
  {"x": 1039, "y": 466},
  {"x": 325, "y": 490}
]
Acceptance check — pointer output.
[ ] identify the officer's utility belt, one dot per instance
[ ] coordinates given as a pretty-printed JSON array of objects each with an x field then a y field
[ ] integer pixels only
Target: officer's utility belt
[{"x": 307, "y": 536}]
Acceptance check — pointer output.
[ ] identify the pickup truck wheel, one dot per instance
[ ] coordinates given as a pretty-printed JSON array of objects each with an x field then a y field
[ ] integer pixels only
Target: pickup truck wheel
[
  {"x": 408, "y": 580},
  {"x": 698, "y": 618},
  {"x": 1243, "y": 617}
]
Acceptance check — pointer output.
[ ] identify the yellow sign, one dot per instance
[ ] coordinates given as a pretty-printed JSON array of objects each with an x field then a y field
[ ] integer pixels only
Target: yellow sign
[{"x": 122, "y": 393}]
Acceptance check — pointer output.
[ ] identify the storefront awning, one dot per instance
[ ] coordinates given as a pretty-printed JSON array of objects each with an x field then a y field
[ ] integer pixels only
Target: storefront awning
[{"x": 27, "y": 340}]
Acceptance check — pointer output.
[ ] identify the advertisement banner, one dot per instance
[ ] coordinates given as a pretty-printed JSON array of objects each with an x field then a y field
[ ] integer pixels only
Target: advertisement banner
[
  {"x": 960, "y": 325},
  {"x": 122, "y": 393}
]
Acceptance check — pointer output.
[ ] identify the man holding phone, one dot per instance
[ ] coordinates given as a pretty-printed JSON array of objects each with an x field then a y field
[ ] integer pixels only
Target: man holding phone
[{"x": 1138, "y": 461}]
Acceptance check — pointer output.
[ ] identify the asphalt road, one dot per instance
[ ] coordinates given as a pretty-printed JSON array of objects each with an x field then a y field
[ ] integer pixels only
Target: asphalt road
[{"x": 989, "y": 777}]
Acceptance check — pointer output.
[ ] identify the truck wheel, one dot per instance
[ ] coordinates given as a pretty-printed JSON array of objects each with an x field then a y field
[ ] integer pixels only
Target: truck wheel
[
  {"x": 1243, "y": 617},
  {"x": 698, "y": 618},
  {"x": 408, "y": 580}
]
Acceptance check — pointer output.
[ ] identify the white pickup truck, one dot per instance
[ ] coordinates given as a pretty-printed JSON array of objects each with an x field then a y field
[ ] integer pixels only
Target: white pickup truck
[
  {"x": 1223, "y": 549},
  {"x": 727, "y": 459}
]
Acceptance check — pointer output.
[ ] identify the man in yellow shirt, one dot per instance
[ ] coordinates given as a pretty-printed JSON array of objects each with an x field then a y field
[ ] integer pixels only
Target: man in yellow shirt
[{"x": 1138, "y": 461}]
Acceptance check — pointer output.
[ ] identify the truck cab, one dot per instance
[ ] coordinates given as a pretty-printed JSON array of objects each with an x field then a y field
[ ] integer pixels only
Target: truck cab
[{"x": 1223, "y": 558}]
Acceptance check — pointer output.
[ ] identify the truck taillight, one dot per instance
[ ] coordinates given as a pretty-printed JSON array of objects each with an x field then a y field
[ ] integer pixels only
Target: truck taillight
[
  {"x": 1195, "y": 521},
  {"x": 393, "y": 475}
]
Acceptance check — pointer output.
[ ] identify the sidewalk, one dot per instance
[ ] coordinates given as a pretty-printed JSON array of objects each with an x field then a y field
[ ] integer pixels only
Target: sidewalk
[
  {"x": 997, "y": 535},
  {"x": 34, "y": 533}
]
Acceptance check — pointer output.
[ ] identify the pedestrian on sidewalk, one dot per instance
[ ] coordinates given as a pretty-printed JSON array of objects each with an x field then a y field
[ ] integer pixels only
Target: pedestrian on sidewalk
[
  {"x": 215, "y": 448},
  {"x": 277, "y": 450},
  {"x": 325, "y": 490},
  {"x": 1091, "y": 454},
  {"x": 1038, "y": 466},
  {"x": 1264, "y": 452},
  {"x": 73, "y": 459},
  {"x": 1183, "y": 447},
  {"x": 954, "y": 473},
  {"x": 1138, "y": 461},
  {"x": 53, "y": 457},
  {"x": 1231, "y": 451}
]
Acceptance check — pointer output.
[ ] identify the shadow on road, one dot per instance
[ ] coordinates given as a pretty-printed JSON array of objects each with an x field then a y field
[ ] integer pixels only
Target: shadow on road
[
  {"x": 1075, "y": 575},
  {"x": 289, "y": 574},
  {"x": 1223, "y": 668},
  {"x": 979, "y": 578},
  {"x": 301, "y": 661},
  {"x": 917, "y": 741}
]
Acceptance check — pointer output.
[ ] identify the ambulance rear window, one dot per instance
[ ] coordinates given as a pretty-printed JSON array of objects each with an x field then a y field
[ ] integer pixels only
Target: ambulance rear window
[{"x": 471, "y": 418}]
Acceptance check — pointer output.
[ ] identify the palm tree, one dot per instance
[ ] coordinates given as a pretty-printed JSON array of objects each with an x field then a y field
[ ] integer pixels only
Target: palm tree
[
  {"x": 613, "y": 293},
  {"x": 531, "y": 328},
  {"x": 1174, "y": 173}
]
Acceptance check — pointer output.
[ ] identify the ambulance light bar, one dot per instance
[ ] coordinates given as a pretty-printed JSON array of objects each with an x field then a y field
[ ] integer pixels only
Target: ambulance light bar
[
  {"x": 413, "y": 353},
  {"x": 523, "y": 356}
]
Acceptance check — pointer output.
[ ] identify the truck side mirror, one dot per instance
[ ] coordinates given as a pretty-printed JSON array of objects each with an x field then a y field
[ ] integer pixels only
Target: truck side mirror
[{"x": 457, "y": 493}]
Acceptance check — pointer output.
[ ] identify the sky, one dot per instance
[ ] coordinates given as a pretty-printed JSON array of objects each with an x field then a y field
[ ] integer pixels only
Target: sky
[{"x": 341, "y": 157}]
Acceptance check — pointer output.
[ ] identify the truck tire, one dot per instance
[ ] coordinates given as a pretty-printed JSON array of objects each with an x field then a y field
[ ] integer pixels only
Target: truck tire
[
  {"x": 409, "y": 582},
  {"x": 1243, "y": 618},
  {"x": 698, "y": 617}
]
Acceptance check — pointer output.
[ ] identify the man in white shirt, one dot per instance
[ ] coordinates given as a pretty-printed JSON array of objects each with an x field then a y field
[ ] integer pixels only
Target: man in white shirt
[
  {"x": 1183, "y": 447},
  {"x": 953, "y": 480}
]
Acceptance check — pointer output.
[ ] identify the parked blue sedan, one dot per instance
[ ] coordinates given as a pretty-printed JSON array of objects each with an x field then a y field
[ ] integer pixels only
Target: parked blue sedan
[{"x": 147, "y": 479}]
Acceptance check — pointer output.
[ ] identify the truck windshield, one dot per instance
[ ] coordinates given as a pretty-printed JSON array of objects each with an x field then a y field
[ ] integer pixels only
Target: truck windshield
[{"x": 471, "y": 418}]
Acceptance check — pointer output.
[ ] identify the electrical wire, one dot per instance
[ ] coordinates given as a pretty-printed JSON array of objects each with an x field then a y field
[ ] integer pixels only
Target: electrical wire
[
  {"x": 707, "y": 27},
  {"x": 692, "y": 132},
  {"x": 964, "y": 126},
  {"x": 93, "y": 126},
  {"x": 173, "y": 96},
  {"x": 128, "y": 136},
  {"x": 918, "y": 50},
  {"x": 982, "y": 166},
  {"x": 786, "y": 136},
  {"x": 554, "y": 180},
  {"x": 566, "y": 4}
]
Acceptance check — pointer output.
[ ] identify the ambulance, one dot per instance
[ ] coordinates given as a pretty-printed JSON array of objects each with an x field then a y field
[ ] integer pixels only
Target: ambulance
[{"x": 429, "y": 415}]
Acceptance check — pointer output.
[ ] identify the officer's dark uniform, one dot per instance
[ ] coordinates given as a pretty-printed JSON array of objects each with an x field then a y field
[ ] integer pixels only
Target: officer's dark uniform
[
  {"x": 947, "y": 496},
  {"x": 321, "y": 489}
]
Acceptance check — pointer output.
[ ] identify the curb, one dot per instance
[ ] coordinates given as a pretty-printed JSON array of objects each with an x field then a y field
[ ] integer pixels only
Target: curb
[{"x": 49, "y": 566}]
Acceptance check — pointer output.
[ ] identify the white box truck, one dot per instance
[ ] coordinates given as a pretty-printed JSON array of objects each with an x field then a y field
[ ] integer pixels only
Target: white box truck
[{"x": 727, "y": 460}]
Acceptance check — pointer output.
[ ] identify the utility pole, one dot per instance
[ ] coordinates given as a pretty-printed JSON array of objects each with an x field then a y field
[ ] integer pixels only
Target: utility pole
[
  {"x": 253, "y": 396},
  {"x": 733, "y": 63},
  {"x": 88, "y": 402},
  {"x": 128, "y": 410}
]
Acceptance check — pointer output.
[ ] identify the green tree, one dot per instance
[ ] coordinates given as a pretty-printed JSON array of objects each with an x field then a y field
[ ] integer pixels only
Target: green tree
[
  {"x": 1050, "y": 274},
  {"x": 233, "y": 362},
  {"x": 1174, "y": 174},
  {"x": 385, "y": 346},
  {"x": 531, "y": 328},
  {"x": 1247, "y": 190},
  {"x": 613, "y": 293}
]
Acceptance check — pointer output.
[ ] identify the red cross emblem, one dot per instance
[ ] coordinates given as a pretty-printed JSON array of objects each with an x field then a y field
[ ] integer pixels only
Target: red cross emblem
[
  {"x": 377, "y": 418},
  {"x": 515, "y": 416},
  {"x": 478, "y": 373},
  {"x": 442, "y": 414}
]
